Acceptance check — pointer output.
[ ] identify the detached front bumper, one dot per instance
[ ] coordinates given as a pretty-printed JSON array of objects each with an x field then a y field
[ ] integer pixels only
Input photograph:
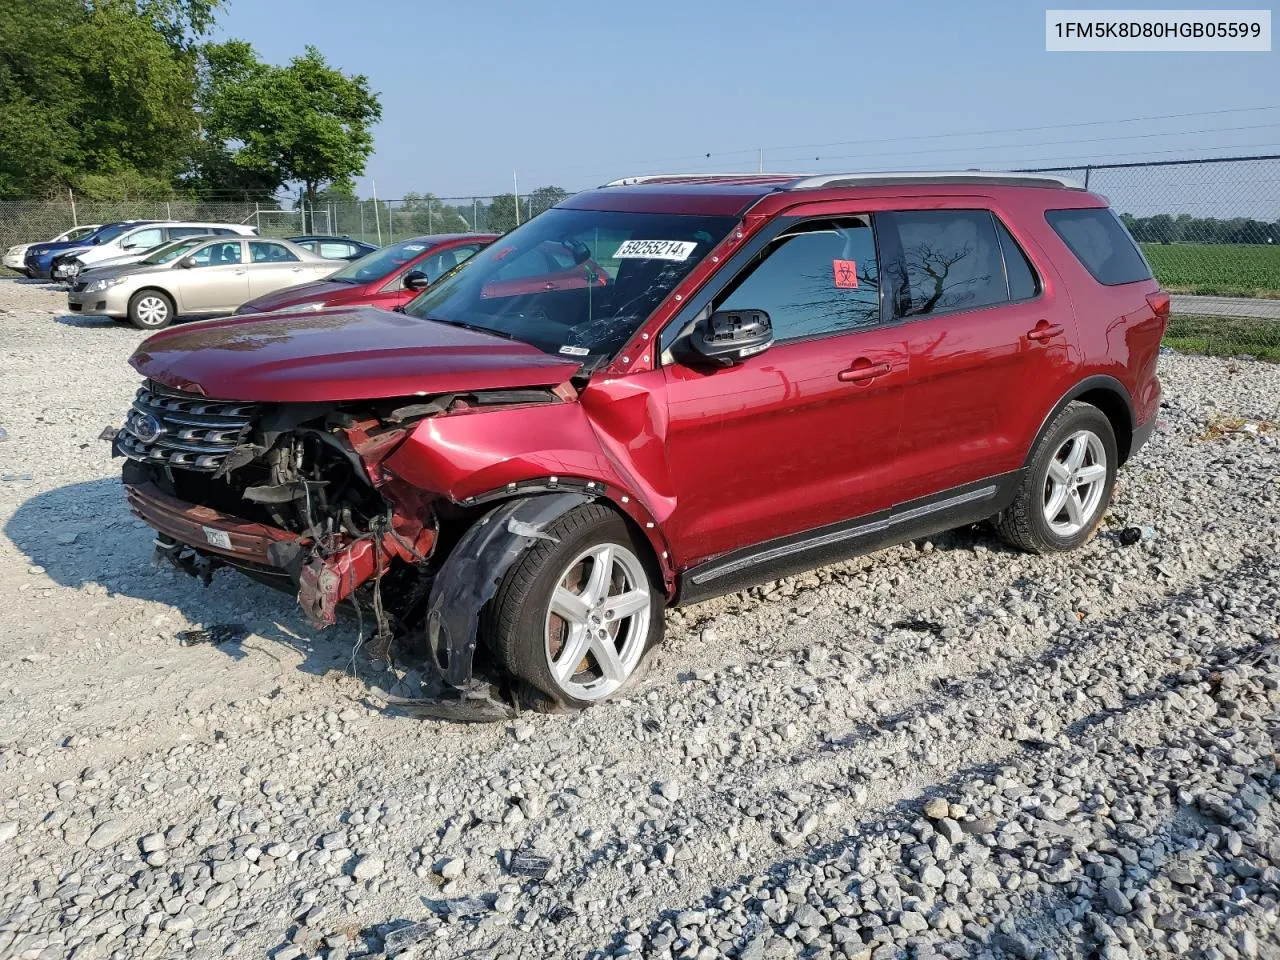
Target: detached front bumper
[{"x": 202, "y": 528}]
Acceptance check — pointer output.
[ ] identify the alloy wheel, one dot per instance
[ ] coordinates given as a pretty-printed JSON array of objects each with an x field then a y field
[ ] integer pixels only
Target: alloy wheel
[
  {"x": 597, "y": 621},
  {"x": 1075, "y": 483}
]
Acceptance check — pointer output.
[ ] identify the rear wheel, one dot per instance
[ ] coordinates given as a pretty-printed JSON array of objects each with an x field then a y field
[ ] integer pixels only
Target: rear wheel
[
  {"x": 150, "y": 310},
  {"x": 1068, "y": 484},
  {"x": 576, "y": 617}
]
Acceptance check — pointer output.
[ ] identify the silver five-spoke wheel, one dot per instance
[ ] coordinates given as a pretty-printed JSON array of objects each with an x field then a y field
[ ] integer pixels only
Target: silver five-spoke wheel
[
  {"x": 1075, "y": 483},
  {"x": 597, "y": 622}
]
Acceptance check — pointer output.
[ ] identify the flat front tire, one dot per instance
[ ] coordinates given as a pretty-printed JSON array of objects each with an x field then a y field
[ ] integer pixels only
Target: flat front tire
[
  {"x": 576, "y": 617},
  {"x": 150, "y": 310},
  {"x": 1067, "y": 486}
]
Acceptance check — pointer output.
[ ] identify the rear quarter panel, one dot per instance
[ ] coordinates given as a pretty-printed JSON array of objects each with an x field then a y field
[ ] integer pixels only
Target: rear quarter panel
[{"x": 1119, "y": 332}]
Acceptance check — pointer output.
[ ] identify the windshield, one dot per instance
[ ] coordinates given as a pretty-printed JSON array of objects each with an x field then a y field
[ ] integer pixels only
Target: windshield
[
  {"x": 380, "y": 263},
  {"x": 173, "y": 249},
  {"x": 109, "y": 232},
  {"x": 574, "y": 282}
]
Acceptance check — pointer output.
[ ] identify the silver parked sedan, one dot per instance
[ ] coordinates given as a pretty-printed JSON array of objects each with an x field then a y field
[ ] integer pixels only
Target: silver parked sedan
[{"x": 215, "y": 276}]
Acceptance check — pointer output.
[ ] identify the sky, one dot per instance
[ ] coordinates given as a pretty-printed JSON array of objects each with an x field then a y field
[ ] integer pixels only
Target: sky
[{"x": 574, "y": 94}]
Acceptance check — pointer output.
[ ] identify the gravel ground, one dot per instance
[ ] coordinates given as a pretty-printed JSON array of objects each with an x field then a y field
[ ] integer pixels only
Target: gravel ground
[{"x": 945, "y": 749}]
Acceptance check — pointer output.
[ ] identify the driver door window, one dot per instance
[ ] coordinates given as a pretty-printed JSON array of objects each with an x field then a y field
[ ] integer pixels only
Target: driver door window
[
  {"x": 217, "y": 254},
  {"x": 819, "y": 279}
]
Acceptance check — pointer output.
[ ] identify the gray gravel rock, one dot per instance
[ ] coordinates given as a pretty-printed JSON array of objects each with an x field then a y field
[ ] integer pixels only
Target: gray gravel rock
[{"x": 1101, "y": 725}]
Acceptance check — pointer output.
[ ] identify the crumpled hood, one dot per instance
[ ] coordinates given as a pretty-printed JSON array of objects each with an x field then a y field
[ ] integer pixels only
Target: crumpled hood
[{"x": 359, "y": 353}]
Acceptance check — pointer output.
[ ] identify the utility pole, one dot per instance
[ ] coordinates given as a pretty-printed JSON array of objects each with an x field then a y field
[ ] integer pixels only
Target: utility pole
[
  {"x": 377, "y": 218},
  {"x": 762, "y": 159},
  {"x": 72, "y": 197},
  {"x": 516, "y": 184}
]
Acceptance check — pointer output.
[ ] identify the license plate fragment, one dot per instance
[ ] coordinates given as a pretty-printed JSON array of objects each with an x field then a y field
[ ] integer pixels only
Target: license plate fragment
[{"x": 217, "y": 538}]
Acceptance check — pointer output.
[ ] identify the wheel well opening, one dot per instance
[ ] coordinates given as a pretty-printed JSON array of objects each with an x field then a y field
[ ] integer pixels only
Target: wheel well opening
[{"x": 1117, "y": 411}]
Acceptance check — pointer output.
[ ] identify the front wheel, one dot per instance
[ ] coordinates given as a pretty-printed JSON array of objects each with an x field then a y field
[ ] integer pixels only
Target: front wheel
[
  {"x": 1067, "y": 486},
  {"x": 150, "y": 310},
  {"x": 575, "y": 617}
]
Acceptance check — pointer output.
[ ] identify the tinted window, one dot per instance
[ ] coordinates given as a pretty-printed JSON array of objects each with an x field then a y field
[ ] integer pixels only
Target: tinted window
[
  {"x": 943, "y": 260},
  {"x": 333, "y": 249},
  {"x": 1023, "y": 282},
  {"x": 175, "y": 232},
  {"x": 822, "y": 279},
  {"x": 380, "y": 263},
  {"x": 1101, "y": 243},
  {"x": 262, "y": 252},
  {"x": 217, "y": 254}
]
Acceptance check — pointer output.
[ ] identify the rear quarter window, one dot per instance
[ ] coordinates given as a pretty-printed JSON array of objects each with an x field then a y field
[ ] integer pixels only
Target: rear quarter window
[{"x": 1101, "y": 243}]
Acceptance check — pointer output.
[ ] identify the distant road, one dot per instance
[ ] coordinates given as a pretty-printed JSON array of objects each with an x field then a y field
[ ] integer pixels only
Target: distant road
[{"x": 1227, "y": 306}]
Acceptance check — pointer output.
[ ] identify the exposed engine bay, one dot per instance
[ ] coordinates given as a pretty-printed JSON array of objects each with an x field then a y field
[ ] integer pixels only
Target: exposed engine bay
[{"x": 296, "y": 496}]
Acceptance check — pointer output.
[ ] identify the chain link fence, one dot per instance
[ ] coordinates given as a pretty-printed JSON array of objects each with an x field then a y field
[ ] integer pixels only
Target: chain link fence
[
  {"x": 374, "y": 221},
  {"x": 1208, "y": 226}
]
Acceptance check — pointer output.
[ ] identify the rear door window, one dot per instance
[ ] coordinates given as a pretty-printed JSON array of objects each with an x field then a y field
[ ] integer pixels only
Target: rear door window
[
  {"x": 261, "y": 251},
  {"x": 1024, "y": 284},
  {"x": 820, "y": 278},
  {"x": 1101, "y": 244},
  {"x": 940, "y": 261},
  {"x": 175, "y": 232}
]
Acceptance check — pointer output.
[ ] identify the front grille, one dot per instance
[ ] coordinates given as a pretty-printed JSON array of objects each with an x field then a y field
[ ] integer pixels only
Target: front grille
[
  {"x": 184, "y": 430},
  {"x": 79, "y": 285}
]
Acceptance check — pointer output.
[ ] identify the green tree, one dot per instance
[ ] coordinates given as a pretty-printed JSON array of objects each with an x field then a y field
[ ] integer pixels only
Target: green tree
[
  {"x": 302, "y": 123},
  {"x": 544, "y": 198},
  {"x": 500, "y": 216},
  {"x": 97, "y": 94},
  {"x": 426, "y": 214}
]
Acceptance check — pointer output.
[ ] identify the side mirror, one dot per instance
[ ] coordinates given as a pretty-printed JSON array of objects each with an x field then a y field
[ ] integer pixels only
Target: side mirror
[
  {"x": 416, "y": 280},
  {"x": 731, "y": 336},
  {"x": 129, "y": 246},
  {"x": 186, "y": 263}
]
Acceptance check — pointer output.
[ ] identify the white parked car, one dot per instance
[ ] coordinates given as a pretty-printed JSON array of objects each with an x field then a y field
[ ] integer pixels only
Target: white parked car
[
  {"x": 139, "y": 240},
  {"x": 14, "y": 256}
]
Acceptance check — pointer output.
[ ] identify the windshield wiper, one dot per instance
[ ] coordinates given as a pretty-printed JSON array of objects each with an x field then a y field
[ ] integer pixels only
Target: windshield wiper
[{"x": 475, "y": 328}]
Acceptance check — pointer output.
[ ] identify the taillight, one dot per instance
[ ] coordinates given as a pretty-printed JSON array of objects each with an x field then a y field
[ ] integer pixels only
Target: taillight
[{"x": 1159, "y": 302}]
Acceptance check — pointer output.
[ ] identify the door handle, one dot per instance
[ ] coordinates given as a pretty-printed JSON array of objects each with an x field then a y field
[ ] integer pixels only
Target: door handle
[
  {"x": 867, "y": 371},
  {"x": 239, "y": 272},
  {"x": 1044, "y": 331}
]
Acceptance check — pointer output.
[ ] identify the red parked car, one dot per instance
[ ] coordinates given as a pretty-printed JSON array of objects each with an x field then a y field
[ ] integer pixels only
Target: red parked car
[
  {"x": 754, "y": 375},
  {"x": 388, "y": 277}
]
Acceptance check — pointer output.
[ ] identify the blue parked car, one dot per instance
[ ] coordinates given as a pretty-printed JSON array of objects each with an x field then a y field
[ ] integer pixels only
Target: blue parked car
[{"x": 39, "y": 258}]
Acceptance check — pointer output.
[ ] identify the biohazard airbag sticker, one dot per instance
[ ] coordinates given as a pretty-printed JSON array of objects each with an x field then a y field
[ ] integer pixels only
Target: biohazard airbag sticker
[{"x": 846, "y": 273}]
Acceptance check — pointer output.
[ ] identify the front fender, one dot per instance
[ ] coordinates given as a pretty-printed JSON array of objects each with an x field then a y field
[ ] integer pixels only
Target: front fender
[{"x": 470, "y": 575}]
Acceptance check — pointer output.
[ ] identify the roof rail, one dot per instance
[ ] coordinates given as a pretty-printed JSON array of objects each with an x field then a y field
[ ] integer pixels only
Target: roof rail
[
  {"x": 628, "y": 181},
  {"x": 991, "y": 177}
]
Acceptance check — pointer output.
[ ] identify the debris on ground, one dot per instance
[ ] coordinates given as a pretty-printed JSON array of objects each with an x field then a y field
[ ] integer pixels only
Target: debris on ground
[
  {"x": 525, "y": 863},
  {"x": 216, "y": 635}
]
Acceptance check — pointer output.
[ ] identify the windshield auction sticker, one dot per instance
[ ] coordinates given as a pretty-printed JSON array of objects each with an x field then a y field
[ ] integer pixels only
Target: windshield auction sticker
[
  {"x": 655, "y": 250},
  {"x": 1173, "y": 30}
]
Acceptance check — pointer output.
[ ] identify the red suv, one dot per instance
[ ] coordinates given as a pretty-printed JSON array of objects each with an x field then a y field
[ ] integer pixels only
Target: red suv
[
  {"x": 660, "y": 390},
  {"x": 388, "y": 277}
]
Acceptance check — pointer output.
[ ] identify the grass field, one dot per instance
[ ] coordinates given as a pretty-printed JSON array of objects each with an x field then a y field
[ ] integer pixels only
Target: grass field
[
  {"x": 1224, "y": 336},
  {"x": 1217, "y": 269}
]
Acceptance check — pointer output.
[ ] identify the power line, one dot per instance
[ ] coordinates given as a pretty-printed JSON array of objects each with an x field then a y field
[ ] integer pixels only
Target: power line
[{"x": 753, "y": 151}]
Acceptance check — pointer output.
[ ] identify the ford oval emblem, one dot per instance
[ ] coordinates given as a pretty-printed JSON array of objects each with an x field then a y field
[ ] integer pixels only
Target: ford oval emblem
[{"x": 146, "y": 428}]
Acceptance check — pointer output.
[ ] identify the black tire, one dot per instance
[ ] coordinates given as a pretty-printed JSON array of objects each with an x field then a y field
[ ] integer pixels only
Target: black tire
[
  {"x": 145, "y": 312},
  {"x": 1024, "y": 523},
  {"x": 517, "y": 624}
]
